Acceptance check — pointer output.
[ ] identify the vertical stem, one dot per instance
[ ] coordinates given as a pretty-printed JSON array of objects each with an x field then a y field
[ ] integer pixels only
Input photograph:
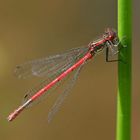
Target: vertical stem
[{"x": 124, "y": 71}]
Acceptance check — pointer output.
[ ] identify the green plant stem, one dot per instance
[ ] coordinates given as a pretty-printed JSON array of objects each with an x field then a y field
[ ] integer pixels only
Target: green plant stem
[{"x": 124, "y": 71}]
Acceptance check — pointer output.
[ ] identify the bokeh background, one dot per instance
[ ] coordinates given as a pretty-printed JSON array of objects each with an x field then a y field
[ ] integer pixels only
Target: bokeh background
[{"x": 35, "y": 29}]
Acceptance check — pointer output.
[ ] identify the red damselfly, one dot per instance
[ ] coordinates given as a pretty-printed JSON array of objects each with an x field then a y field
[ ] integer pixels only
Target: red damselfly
[{"x": 57, "y": 67}]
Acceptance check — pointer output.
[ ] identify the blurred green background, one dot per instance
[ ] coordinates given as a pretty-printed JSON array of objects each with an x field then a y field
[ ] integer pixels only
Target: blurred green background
[{"x": 35, "y": 29}]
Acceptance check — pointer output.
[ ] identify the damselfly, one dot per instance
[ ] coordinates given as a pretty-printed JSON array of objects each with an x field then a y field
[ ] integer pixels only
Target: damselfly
[{"x": 57, "y": 67}]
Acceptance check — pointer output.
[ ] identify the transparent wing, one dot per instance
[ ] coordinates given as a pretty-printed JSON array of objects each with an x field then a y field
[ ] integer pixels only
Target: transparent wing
[
  {"x": 50, "y": 65},
  {"x": 34, "y": 90},
  {"x": 63, "y": 95},
  {"x": 49, "y": 77}
]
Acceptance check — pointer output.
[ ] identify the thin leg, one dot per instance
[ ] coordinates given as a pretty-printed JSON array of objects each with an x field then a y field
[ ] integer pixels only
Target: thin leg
[
  {"x": 107, "y": 56},
  {"x": 119, "y": 43}
]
